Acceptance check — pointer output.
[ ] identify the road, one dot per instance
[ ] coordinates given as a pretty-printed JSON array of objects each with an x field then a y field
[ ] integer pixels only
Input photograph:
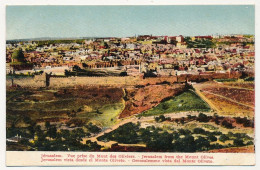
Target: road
[{"x": 205, "y": 99}]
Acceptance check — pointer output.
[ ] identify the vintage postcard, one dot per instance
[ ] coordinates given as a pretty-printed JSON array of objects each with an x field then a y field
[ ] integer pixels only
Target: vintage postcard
[{"x": 130, "y": 85}]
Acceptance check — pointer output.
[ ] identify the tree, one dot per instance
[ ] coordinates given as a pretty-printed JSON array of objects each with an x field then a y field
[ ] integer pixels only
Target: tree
[
  {"x": 52, "y": 132},
  {"x": 25, "y": 141},
  {"x": 184, "y": 131},
  {"x": 93, "y": 128},
  {"x": 47, "y": 125},
  {"x": 202, "y": 143},
  {"x": 145, "y": 135},
  {"x": 226, "y": 124},
  {"x": 186, "y": 144},
  {"x": 212, "y": 138},
  {"x": 77, "y": 134},
  {"x": 27, "y": 120},
  {"x": 238, "y": 142},
  {"x": 67, "y": 72},
  {"x": 165, "y": 106},
  {"x": 250, "y": 143},
  {"x": 31, "y": 129},
  {"x": 160, "y": 141},
  {"x": 126, "y": 133},
  {"x": 223, "y": 138},
  {"x": 18, "y": 56},
  {"x": 157, "y": 119},
  {"x": 182, "y": 121},
  {"x": 93, "y": 146},
  {"x": 124, "y": 73},
  {"x": 198, "y": 131},
  {"x": 202, "y": 118},
  {"x": 162, "y": 118},
  {"x": 65, "y": 134},
  {"x": 217, "y": 120}
]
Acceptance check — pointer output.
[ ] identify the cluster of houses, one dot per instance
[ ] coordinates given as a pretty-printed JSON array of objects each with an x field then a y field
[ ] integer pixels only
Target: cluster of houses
[{"x": 161, "y": 55}]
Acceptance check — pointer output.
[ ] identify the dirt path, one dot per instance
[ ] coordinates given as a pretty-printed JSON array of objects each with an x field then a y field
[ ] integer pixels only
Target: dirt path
[
  {"x": 105, "y": 144},
  {"x": 205, "y": 99}
]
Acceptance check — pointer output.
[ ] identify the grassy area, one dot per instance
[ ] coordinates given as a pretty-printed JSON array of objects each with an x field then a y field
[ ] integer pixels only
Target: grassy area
[
  {"x": 187, "y": 101},
  {"x": 105, "y": 116}
]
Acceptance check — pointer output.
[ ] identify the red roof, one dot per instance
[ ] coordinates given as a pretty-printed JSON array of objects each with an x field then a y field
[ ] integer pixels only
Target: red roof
[{"x": 206, "y": 37}]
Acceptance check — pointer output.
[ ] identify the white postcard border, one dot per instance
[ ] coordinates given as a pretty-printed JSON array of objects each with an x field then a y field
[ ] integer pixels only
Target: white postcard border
[{"x": 3, "y": 3}]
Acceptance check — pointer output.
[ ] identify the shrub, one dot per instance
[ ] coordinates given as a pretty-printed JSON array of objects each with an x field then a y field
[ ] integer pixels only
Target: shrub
[
  {"x": 227, "y": 125},
  {"x": 184, "y": 131},
  {"x": 165, "y": 106},
  {"x": 126, "y": 133},
  {"x": 93, "y": 128},
  {"x": 77, "y": 122},
  {"x": 216, "y": 146},
  {"x": 230, "y": 134},
  {"x": 216, "y": 133},
  {"x": 202, "y": 143},
  {"x": 199, "y": 131},
  {"x": 186, "y": 144},
  {"x": 238, "y": 142},
  {"x": 160, "y": 141},
  {"x": 161, "y": 118},
  {"x": 212, "y": 138},
  {"x": 157, "y": 119},
  {"x": 202, "y": 118},
  {"x": 250, "y": 143},
  {"x": 223, "y": 138}
]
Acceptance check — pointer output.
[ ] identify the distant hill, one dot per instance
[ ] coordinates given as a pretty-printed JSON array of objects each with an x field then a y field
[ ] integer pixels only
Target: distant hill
[{"x": 48, "y": 38}]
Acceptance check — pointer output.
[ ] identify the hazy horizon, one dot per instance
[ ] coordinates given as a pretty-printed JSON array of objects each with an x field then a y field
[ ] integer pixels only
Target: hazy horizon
[{"x": 32, "y": 22}]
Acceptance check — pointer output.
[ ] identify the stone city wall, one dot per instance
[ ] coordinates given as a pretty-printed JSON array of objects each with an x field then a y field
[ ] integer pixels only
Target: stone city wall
[
  {"x": 107, "y": 81},
  {"x": 57, "y": 82},
  {"x": 60, "y": 82}
]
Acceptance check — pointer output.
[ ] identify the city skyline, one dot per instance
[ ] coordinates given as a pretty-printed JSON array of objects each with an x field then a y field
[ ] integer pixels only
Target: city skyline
[{"x": 29, "y": 22}]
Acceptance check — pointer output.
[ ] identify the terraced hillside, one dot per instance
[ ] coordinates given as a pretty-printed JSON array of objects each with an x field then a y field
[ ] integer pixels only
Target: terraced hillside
[
  {"x": 140, "y": 99},
  {"x": 100, "y": 105},
  {"x": 229, "y": 99}
]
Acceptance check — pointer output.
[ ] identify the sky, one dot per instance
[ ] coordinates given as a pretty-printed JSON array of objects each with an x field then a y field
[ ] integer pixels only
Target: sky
[{"x": 24, "y": 22}]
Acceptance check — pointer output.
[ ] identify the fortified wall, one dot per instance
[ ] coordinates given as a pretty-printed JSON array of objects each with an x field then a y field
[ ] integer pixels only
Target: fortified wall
[
  {"x": 209, "y": 76},
  {"x": 118, "y": 81},
  {"x": 60, "y": 82},
  {"x": 46, "y": 80}
]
